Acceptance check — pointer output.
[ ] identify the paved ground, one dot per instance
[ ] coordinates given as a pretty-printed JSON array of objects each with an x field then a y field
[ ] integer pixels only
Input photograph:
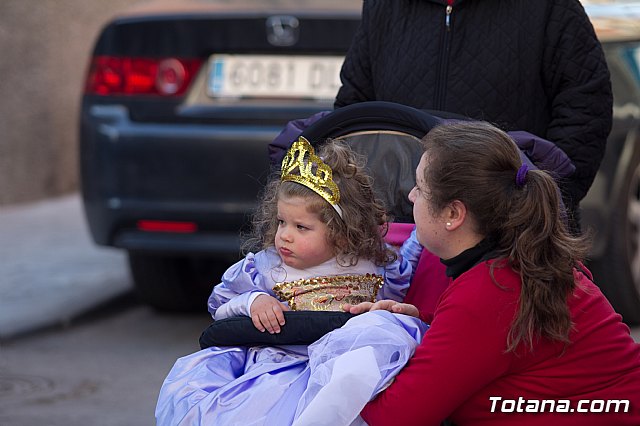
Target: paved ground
[{"x": 50, "y": 270}]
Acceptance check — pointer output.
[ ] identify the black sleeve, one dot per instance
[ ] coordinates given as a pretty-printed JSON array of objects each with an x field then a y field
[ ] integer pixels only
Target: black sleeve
[
  {"x": 300, "y": 328},
  {"x": 579, "y": 85}
]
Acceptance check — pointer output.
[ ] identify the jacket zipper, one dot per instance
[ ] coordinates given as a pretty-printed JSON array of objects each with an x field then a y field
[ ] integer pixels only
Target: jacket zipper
[
  {"x": 447, "y": 16},
  {"x": 444, "y": 58}
]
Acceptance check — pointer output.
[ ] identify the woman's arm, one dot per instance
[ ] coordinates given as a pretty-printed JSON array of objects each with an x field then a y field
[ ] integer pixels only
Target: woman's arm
[
  {"x": 462, "y": 353},
  {"x": 577, "y": 79}
]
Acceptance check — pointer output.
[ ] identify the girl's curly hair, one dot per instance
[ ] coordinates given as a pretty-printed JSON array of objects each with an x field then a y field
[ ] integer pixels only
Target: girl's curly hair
[{"x": 358, "y": 234}]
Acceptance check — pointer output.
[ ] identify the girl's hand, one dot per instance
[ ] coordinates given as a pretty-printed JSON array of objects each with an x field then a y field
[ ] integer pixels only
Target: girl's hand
[
  {"x": 266, "y": 313},
  {"x": 385, "y": 305}
]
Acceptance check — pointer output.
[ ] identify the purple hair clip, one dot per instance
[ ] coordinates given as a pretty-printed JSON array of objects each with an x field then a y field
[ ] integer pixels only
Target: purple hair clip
[{"x": 521, "y": 176}]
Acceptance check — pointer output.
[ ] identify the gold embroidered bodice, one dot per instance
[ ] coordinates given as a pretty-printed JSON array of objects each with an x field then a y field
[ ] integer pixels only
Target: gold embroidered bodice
[{"x": 329, "y": 293}]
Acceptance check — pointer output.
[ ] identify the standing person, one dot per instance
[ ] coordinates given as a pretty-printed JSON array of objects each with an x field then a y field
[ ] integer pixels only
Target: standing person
[
  {"x": 521, "y": 335},
  {"x": 525, "y": 65},
  {"x": 319, "y": 231}
]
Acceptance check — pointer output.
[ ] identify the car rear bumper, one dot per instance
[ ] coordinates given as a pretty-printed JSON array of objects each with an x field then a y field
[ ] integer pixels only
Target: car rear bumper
[{"x": 207, "y": 175}]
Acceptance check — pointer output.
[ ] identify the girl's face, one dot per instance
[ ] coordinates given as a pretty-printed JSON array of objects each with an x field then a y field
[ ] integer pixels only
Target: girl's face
[
  {"x": 430, "y": 227},
  {"x": 301, "y": 238}
]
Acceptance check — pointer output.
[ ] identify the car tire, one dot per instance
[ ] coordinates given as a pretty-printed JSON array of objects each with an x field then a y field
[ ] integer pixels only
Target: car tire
[
  {"x": 172, "y": 283},
  {"x": 617, "y": 272}
]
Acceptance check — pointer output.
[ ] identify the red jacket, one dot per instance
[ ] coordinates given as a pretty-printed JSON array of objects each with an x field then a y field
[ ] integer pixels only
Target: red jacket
[{"x": 461, "y": 370}]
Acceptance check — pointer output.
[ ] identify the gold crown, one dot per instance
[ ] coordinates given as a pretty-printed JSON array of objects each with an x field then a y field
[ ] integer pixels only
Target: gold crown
[{"x": 298, "y": 166}]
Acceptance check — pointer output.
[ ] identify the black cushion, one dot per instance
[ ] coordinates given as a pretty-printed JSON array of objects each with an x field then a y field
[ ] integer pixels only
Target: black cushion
[{"x": 300, "y": 328}]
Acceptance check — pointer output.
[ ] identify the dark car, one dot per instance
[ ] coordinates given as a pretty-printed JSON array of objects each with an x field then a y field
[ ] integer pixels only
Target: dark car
[
  {"x": 182, "y": 101},
  {"x": 179, "y": 106}
]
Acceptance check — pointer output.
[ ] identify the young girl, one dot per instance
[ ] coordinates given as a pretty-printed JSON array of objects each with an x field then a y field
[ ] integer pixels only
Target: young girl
[
  {"x": 320, "y": 218},
  {"x": 320, "y": 231}
]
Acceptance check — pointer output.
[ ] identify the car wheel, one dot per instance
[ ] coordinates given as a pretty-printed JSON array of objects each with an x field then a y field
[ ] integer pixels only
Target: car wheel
[
  {"x": 617, "y": 272},
  {"x": 173, "y": 283}
]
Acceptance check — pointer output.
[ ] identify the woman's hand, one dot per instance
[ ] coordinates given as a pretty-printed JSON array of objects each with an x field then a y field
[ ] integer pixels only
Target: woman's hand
[
  {"x": 357, "y": 309},
  {"x": 383, "y": 305},
  {"x": 267, "y": 313}
]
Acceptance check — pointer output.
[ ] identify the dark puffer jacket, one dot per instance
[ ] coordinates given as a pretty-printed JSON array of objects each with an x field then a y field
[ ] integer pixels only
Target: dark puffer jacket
[{"x": 533, "y": 65}]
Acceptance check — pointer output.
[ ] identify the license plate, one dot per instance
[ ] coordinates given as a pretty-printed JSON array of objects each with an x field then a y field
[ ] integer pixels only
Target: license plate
[{"x": 274, "y": 76}]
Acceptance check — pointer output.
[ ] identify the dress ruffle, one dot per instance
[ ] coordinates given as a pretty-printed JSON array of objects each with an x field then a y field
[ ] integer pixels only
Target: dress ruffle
[{"x": 294, "y": 384}]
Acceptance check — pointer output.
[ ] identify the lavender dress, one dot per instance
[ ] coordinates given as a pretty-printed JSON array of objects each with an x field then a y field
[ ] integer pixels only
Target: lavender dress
[{"x": 299, "y": 385}]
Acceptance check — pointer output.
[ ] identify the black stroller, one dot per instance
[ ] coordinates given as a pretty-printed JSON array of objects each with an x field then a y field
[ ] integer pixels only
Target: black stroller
[{"x": 388, "y": 135}]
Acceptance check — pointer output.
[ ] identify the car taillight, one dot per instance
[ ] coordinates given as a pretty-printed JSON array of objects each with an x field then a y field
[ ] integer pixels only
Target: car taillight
[
  {"x": 111, "y": 75},
  {"x": 167, "y": 226}
]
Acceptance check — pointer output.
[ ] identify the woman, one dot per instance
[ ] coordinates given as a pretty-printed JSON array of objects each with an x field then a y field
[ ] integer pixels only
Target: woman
[{"x": 521, "y": 335}]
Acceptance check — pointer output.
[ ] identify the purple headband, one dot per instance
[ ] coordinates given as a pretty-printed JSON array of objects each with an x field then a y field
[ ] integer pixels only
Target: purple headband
[{"x": 521, "y": 176}]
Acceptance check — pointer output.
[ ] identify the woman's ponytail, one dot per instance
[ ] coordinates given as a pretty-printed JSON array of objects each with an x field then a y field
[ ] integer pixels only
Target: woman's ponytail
[
  {"x": 517, "y": 206},
  {"x": 543, "y": 251}
]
